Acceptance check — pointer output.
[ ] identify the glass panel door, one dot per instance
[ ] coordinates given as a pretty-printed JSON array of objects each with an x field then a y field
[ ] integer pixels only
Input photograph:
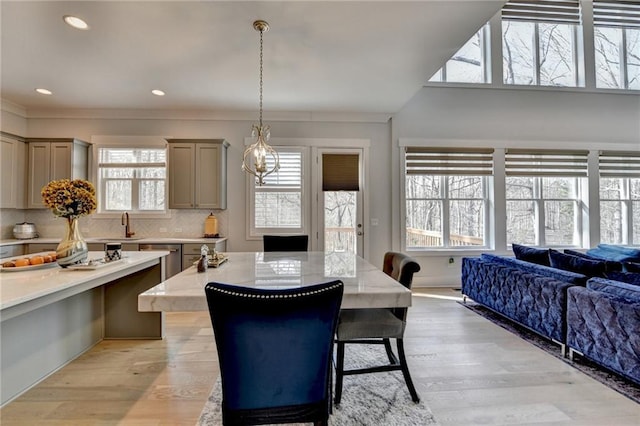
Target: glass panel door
[{"x": 341, "y": 215}]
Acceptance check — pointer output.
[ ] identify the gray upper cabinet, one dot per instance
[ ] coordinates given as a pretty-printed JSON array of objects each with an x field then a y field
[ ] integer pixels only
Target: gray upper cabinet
[
  {"x": 197, "y": 173},
  {"x": 51, "y": 159},
  {"x": 13, "y": 171}
]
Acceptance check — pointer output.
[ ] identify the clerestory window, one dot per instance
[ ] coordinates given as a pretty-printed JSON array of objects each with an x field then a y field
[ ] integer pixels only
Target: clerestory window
[
  {"x": 470, "y": 63},
  {"x": 539, "y": 42},
  {"x": 617, "y": 44}
]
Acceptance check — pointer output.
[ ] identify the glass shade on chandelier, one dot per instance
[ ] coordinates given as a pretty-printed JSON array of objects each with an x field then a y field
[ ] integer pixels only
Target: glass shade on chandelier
[{"x": 260, "y": 159}]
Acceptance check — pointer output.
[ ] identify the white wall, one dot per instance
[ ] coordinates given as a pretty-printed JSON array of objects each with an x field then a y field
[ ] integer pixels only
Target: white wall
[
  {"x": 503, "y": 118},
  {"x": 232, "y": 221},
  {"x": 453, "y": 115}
]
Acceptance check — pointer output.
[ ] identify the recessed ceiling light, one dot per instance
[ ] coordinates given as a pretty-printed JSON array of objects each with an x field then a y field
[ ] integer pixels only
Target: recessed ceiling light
[
  {"x": 76, "y": 22},
  {"x": 44, "y": 91},
  {"x": 157, "y": 92}
]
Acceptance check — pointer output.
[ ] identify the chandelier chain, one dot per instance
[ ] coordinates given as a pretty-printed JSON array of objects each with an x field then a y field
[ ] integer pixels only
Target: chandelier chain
[{"x": 261, "y": 32}]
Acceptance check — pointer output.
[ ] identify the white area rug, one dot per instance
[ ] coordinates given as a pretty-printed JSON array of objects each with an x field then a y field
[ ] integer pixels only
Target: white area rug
[{"x": 367, "y": 399}]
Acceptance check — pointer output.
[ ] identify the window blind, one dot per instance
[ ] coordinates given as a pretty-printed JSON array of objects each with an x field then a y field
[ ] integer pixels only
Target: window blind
[
  {"x": 612, "y": 13},
  {"x": 289, "y": 175},
  {"x": 619, "y": 164},
  {"x": 551, "y": 11},
  {"x": 132, "y": 157},
  {"x": 449, "y": 161},
  {"x": 546, "y": 162},
  {"x": 340, "y": 172}
]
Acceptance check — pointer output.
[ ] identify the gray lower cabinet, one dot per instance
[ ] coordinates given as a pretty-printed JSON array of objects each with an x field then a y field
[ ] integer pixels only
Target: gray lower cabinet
[
  {"x": 191, "y": 252},
  {"x": 39, "y": 247},
  {"x": 12, "y": 250}
]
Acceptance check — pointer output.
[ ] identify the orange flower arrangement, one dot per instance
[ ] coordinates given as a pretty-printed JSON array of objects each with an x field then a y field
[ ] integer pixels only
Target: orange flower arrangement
[{"x": 70, "y": 198}]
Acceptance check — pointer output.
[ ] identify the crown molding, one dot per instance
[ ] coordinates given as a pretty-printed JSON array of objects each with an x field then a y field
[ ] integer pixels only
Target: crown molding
[
  {"x": 140, "y": 114},
  {"x": 13, "y": 108}
]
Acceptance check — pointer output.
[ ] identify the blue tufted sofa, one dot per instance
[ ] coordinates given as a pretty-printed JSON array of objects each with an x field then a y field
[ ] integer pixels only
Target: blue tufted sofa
[
  {"x": 603, "y": 324},
  {"x": 532, "y": 295},
  {"x": 596, "y": 317}
]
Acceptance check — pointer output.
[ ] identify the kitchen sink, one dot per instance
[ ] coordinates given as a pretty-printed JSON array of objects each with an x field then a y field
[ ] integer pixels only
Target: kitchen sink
[{"x": 113, "y": 240}]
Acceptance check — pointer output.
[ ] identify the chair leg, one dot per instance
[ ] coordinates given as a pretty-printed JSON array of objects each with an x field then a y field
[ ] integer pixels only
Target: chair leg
[
  {"x": 339, "y": 371},
  {"x": 405, "y": 371},
  {"x": 390, "y": 354}
]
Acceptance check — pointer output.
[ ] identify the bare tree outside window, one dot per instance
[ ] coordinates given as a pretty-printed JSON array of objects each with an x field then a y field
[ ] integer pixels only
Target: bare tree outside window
[
  {"x": 432, "y": 200},
  {"x": 537, "y": 53},
  {"x": 132, "y": 179},
  {"x": 552, "y": 200},
  {"x": 620, "y": 210},
  {"x": 617, "y": 57},
  {"x": 467, "y": 65}
]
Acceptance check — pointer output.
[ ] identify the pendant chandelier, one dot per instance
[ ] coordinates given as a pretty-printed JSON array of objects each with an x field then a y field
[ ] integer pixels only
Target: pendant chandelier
[{"x": 255, "y": 159}]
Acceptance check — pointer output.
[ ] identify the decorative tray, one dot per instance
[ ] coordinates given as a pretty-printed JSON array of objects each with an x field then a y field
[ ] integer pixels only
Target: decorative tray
[
  {"x": 28, "y": 267},
  {"x": 49, "y": 264},
  {"x": 92, "y": 264},
  {"x": 216, "y": 261}
]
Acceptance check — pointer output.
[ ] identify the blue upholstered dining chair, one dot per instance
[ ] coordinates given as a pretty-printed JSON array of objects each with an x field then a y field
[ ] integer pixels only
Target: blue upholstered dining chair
[
  {"x": 378, "y": 326},
  {"x": 285, "y": 243},
  {"x": 275, "y": 349}
]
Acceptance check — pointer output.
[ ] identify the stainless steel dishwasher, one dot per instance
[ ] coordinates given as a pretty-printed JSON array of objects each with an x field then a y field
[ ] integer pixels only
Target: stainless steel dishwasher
[{"x": 173, "y": 262}]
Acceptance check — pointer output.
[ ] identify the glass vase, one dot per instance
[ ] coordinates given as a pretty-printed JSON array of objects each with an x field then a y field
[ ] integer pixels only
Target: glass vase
[{"x": 73, "y": 248}]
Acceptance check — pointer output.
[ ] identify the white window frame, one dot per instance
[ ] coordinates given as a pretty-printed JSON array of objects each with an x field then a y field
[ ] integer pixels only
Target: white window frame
[
  {"x": 539, "y": 200},
  {"x": 255, "y": 233},
  {"x": 485, "y": 54},
  {"x": 536, "y": 58},
  {"x": 101, "y": 186},
  {"x": 487, "y": 187},
  {"x": 623, "y": 58},
  {"x": 624, "y": 166},
  {"x": 548, "y": 12},
  {"x": 625, "y": 16},
  {"x": 444, "y": 200}
]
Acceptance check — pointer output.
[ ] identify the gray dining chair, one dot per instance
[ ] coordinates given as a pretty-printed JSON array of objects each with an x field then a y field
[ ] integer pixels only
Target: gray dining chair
[{"x": 378, "y": 326}]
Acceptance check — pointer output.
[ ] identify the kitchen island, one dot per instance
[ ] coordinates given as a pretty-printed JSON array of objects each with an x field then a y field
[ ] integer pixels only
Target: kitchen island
[
  {"x": 50, "y": 315},
  {"x": 365, "y": 286}
]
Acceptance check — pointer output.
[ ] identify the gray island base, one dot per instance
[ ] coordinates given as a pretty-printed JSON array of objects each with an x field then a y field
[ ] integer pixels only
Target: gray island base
[{"x": 50, "y": 316}]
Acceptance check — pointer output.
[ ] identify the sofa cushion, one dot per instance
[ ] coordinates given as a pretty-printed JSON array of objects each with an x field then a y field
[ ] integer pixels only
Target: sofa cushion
[
  {"x": 631, "y": 267},
  {"x": 531, "y": 254},
  {"x": 581, "y": 265},
  {"x": 629, "y": 292},
  {"x": 613, "y": 252},
  {"x": 609, "y": 265},
  {"x": 625, "y": 277},
  {"x": 630, "y": 251},
  {"x": 533, "y": 268}
]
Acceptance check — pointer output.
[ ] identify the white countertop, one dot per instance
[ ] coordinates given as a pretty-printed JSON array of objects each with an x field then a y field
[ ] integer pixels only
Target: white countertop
[
  {"x": 38, "y": 287},
  {"x": 145, "y": 240},
  {"x": 365, "y": 285}
]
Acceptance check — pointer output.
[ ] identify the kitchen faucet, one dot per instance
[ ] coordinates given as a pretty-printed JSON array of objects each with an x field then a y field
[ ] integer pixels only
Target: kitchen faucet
[{"x": 127, "y": 226}]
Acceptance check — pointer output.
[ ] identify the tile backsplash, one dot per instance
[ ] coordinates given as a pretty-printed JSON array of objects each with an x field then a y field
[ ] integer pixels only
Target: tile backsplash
[{"x": 180, "y": 224}]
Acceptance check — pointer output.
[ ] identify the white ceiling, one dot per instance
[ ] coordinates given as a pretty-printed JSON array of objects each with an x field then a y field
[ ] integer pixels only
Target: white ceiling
[{"x": 319, "y": 56}]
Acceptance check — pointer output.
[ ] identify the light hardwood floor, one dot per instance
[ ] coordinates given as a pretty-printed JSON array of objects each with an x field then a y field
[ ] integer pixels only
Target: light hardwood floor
[{"x": 467, "y": 370}]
